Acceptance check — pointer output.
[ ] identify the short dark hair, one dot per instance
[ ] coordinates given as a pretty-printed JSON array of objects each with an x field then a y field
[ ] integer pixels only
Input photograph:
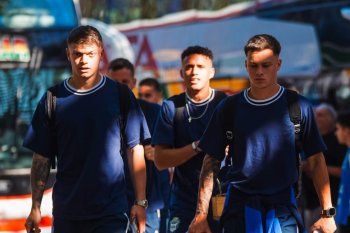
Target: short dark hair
[
  {"x": 121, "y": 63},
  {"x": 151, "y": 82},
  {"x": 343, "y": 118},
  {"x": 197, "y": 50},
  {"x": 261, "y": 42},
  {"x": 85, "y": 34}
]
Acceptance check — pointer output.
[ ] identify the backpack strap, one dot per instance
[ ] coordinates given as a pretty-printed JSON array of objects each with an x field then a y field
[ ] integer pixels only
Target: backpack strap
[
  {"x": 229, "y": 118},
  {"x": 124, "y": 105},
  {"x": 179, "y": 102},
  {"x": 50, "y": 108},
  {"x": 295, "y": 117}
]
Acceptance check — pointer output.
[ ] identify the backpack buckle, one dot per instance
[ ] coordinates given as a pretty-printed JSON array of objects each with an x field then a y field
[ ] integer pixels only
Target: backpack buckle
[
  {"x": 229, "y": 135},
  {"x": 297, "y": 128}
]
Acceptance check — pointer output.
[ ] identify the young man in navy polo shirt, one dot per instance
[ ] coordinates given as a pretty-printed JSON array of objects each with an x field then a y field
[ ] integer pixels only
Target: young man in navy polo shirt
[
  {"x": 180, "y": 125},
  {"x": 122, "y": 70},
  {"x": 84, "y": 134},
  {"x": 260, "y": 197}
]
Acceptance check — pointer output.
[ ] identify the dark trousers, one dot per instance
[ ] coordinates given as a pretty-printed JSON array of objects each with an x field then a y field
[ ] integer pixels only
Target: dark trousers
[{"x": 118, "y": 223}]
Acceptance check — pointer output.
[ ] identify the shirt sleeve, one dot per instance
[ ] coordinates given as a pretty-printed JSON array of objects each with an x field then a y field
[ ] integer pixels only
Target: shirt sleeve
[
  {"x": 312, "y": 142},
  {"x": 39, "y": 137},
  {"x": 136, "y": 129},
  {"x": 213, "y": 140},
  {"x": 164, "y": 128}
]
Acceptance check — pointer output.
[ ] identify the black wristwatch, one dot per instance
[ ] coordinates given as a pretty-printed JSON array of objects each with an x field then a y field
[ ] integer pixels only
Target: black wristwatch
[
  {"x": 143, "y": 203},
  {"x": 328, "y": 213}
]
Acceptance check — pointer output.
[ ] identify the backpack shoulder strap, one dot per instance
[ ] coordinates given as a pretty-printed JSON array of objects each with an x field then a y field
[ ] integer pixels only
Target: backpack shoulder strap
[
  {"x": 294, "y": 111},
  {"x": 50, "y": 108},
  {"x": 229, "y": 118},
  {"x": 295, "y": 116},
  {"x": 124, "y": 102},
  {"x": 124, "y": 106},
  {"x": 179, "y": 102}
]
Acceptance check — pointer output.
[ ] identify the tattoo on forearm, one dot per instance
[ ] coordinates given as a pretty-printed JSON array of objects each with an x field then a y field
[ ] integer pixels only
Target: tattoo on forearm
[
  {"x": 39, "y": 176},
  {"x": 210, "y": 169}
]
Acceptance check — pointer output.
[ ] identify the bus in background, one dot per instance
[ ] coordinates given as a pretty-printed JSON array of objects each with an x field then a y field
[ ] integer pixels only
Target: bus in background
[
  {"x": 158, "y": 44},
  {"x": 32, "y": 58}
]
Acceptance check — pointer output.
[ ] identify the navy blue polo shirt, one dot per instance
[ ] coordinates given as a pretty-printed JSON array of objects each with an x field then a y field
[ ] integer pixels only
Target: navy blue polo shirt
[{"x": 90, "y": 170}]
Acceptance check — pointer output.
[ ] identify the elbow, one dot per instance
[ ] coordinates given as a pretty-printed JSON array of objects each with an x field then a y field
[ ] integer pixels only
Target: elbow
[
  {"x": 159, "y": 164},
  {"x": 316, "y": 162},
  {"x": 158, "y": 160}
]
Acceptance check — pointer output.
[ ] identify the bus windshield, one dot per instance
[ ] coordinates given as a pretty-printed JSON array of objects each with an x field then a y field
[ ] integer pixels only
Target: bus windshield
[
  {"x": 32, "y": 59},
  {"x": 24, "y": 14}
]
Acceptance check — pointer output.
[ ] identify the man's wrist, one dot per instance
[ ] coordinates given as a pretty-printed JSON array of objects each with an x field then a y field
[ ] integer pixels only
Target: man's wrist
[
  {"x": 195, "y": 147},
  {"x": 201, "y": 212},
  {"x": 143, "y": 203},
  {"x": 328, "y": 213}
]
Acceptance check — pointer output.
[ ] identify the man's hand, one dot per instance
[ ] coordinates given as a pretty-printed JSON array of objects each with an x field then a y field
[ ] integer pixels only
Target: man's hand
[
  {"x": 149, "y": 152},
  {"x": 33, "y": 220},
  {"x": 199, "y": 224},
  {"x": 324, "y": 225},
  {"x": 138, "y": 213}
]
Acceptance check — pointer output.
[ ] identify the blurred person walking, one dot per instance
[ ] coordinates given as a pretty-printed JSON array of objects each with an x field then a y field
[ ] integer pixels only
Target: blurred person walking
[
  {"x": 326, "y": 117},
  {"x": 80, "y": 122},
  {"x": 343, "y": 208},
  {"x": 149, "y": 90},
  {"x": 123, "y": 71}
]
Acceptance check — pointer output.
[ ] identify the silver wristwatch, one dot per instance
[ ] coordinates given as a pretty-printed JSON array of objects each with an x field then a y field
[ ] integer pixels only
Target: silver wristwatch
[
  {"x": 143, "y": 203},
  {"x": 195, "y": 147}
]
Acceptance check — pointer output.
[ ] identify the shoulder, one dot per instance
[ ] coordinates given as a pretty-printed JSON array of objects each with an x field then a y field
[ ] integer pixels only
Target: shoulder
[
  {"x": 232, "y": 99},
  {"x": 220, "y": 94},
  {"x": 145, "y": 105},
  {"x": 177, "y": 100}
]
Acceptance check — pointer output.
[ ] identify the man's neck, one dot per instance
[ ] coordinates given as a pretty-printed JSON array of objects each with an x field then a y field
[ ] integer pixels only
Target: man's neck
[
  {"x": 263, "y": 93},
  {"x": 199, "y": 96},
  {"x": 80, "y": 83}
]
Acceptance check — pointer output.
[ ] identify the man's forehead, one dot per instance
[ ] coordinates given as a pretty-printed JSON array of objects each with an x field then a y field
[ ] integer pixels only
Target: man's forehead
[
  {"x": 265, "y": 55},
  {"x": 84, "y": 46},
  {"x": 196, "y": 58}
]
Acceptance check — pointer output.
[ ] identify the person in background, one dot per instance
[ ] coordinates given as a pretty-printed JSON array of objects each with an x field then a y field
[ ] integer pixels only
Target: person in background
[
  {"x": 122, "y": 70},
  {"x": 149, "y": 90},
  {"x": 326, "y": 117},
  {"x": 343, "y": 208},
  {"x": 83, "y": 132}
]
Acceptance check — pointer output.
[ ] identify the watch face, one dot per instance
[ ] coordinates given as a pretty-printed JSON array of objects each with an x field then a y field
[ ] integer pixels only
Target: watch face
[{"x": 332, "y": 211}]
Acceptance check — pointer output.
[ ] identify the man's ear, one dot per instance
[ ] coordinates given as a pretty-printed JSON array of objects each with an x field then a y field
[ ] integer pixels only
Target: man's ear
[
  {"x": 212, "y": 73},
  {"x": 279, "y": 64},
  {"x": 181, "y": 74},
  {"x": 67, "y": 54}
]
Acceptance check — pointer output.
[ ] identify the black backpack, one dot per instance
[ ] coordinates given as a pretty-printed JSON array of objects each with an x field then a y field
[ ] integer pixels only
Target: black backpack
[
  {"x": 50, "y": 108},
  {"x": 295, "y": 118}
]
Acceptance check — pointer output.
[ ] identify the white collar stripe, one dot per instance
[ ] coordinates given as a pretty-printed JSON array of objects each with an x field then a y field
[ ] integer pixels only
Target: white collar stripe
[
  {"x": 210, "y": 98},
  {"x": 74, "y": 91},
  {"x": 265, "y": 101}
]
